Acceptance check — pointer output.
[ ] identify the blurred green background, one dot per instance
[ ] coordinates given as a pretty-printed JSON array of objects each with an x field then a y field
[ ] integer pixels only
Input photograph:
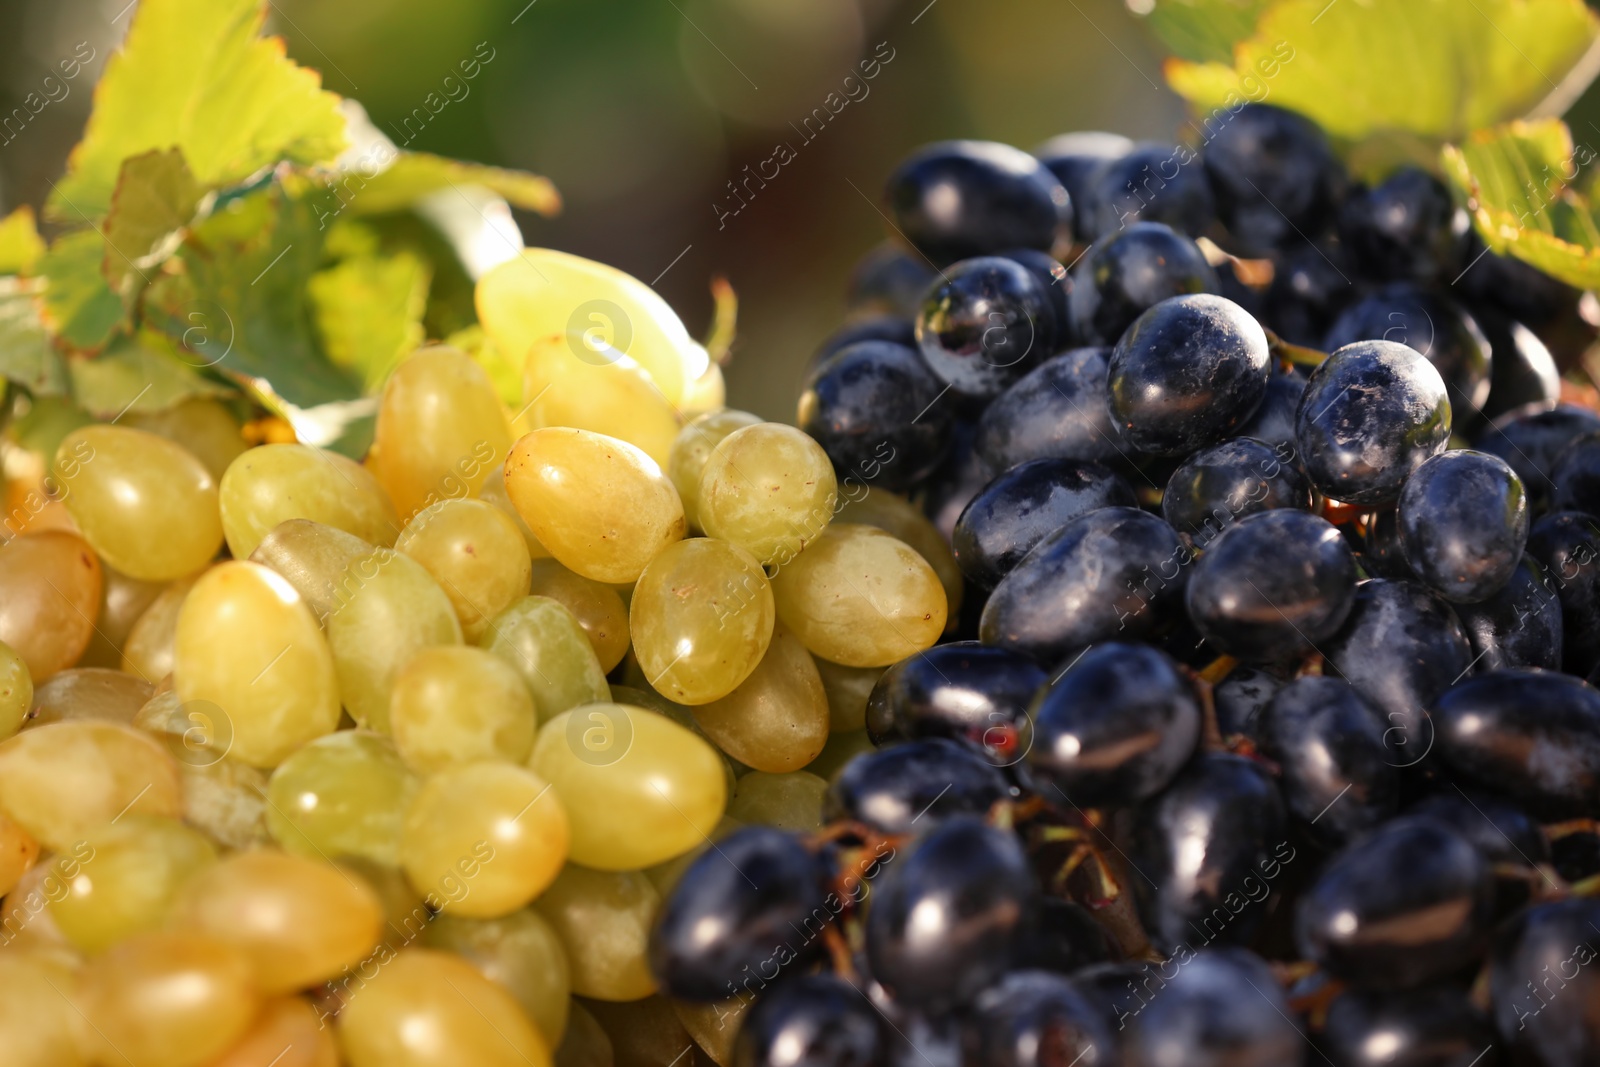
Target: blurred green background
[{"x": 642, "y": 111}]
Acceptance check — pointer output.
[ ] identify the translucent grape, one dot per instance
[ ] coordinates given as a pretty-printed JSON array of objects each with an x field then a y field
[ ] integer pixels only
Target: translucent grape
[
  {"x": 701, "y": 618},
  {"x": 49, "y": 599},
  {"x": 859, "y": 597},
  {"x": 124, "y": 883},
  {"x": 705, "y": 392},
  {"x": 543, "y": 642},
  {"x": 89, "y": 693},
  {"x": 692, "y": 447},
  {"x": 201, "y": 425},
  {"x": 638, "y": 788},
  {"x": 476, "y": 555},
  {"x": 601, "y": 506},
  {"x": 287, "y": 1033},
  {"x": 848, "y": 689},
  {"x": 60, "y": 781},
  {"x": 342, "y": 795},
  {"x": 459, "y": 704},
  {"x": 122, "y": 601},
  {"x": 493, "y": 491},
  {"x": 275, "y": 483},
  {"x": 596, "y": 606},
  {"x": 603, "y": 918},
  {"x": 790, "y": 801},
  {"x": 588, "y": 385},
  {"x": 483, "y": 839},
  {"x": 18, "y": 853},
  {"x": 224, "y": 798},
  {"x": 311, "y": 557},
  {"x": 149, "y": 650},
  {"x": 39, "y": 1023},
  {"x": 249, "y": 650},
  {"x": 523, "y": 953},
  {"x": 770, "y": 489},
  {"x": 16, "y": 690},
  {"x": 898, "y": 517},
  {"x": 777, "y": 719}
]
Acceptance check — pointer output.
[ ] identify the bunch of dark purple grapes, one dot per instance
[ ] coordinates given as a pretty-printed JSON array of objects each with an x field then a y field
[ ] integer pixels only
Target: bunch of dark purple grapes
[{"x": 1267, "y": 734}]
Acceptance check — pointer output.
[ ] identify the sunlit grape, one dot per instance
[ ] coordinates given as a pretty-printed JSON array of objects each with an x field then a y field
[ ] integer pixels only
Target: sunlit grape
[
  {"x": 122, "y": 601},
  {"x": 286, "y": 1033},
  {"x": 898, "y": 517},
  {"x": 596, "y": 606},
  {"x": 202, "y": 425},
  {"x": 603, "y": 918},
  {"x": 475, "y": 553},
  {"x": 520, "y": 951},
  {"x": 543, "y": 642},
  {"x": 692, "y": 447},
  {"x": 18, "y": 852},
  {"x": 123, "y": 885},
  {"x": 274, "y": 483},
  {"x": 344, "y": 794},
  {"x": 459, "y": 704},
  {"x": 16, "y": 690},
  {"x": 149, "y": 651},
  {"x": 89, "y": 693},
  {"x": 312, "y": 557},
  {"x": 601, "y": 390},
  {"x": 50, "y": 586},
  {"x": 769, "y": 489}
]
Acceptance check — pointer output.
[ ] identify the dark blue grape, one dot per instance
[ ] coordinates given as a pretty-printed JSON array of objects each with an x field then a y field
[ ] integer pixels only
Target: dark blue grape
[
  {"x": 1055, "y": 411},
  {"x": 945, "y": 918},
  {"x": 964, "y": 691},
  {"x": 1114, "y": 728},
  {"x": 1428, "y": 323},
  {"x": 1405, "y": 229},
  {"x": 913, "y": 785},
  {"x": 1310, "y": 286},
  {"x": 1024, "y": 505},
  {"x": 1519, "y": 626},
  {"x": 957, "y": 199},
  {"x": 1219, "y": 485},
  {"x": 958, "y": 478},
  {"x": 1130, "y": 271},
  {"x": 1153, "y": 183},
  {"x": 984, "y": 324},
  {"x": 1115, "y": 573},
  {"x": 1575, "y": 478},
  {"x": 1118, "y": 991},
  {"x": 890, "y": 280},
  {"x": 1509, "y": 838},
  {"x": 1074, "y": 158},
  {"x": 874, "y": 408},
  {"x": 1545, "y": 985},
  {"x": 1371, "y": 414},
  {"x": 814, "y": 1020},
  {"x": 901, "y": 331},
  {"x": 1338, "y": 776},
  {"x": 1039, "y": 1019},
  {"x": 1516, "y": 289},
  {"x": 1463, "y": 521},
  {"x": 1433, "y": 1027},
  {"x": 1064, "y": 938},
  {"x": 1383, "y": 556},
  {"x": 1057, "y": 285},
  {"x": 1567, "y": 543},
  {"x": 1523, "y": 370},
  {"x": 1275, "y": 179},
  {"x": 1221, "y": 1008},
  {"x": 1273, "y": 421},
  {"x": 1532, "y": 440},
  {"x": 1241, "y": 697}
]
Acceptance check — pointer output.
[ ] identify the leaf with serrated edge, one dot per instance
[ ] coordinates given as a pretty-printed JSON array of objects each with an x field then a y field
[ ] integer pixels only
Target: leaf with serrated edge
[
  {"x": 368, "y": 312},
  {"x": 26, "y": 356},
  {"x": 20, "y": 243},
  {"x": 143, "y": 373},
  {"x": 198, "y": 75},
  {"x": 80, "y": 307},
  {"x": 155, "y": 199},
  {"x": 1203, "y": 30},
  {"x": 414, "y": 175}
]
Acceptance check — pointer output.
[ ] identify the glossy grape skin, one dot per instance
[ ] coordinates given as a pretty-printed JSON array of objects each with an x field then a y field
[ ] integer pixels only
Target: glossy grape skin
[
  {"x": 790, "y": 801},
  {"x": 1531, "y": 440},
  {"x": 1053, "y": 278},
  {"x": 776, "y": 719},
  {"x": 344, "y": 794},
  {"x": 1441, "y": 330},
  {"x": 1372, "y": 413},
  {"x": 89, "y": 693},
  {"x": 275, "y": 483},
  {"x": 1223, "y": 1007},
  {"x": 476, "y": 554},
  {"x": 1543, "y": 986},
  {"x": 956, "y": 199},
  {"x": 1403, "y": 906},
  {"x": 457, "y": 704},
  {"x": 1339, "y": 777},
  {"x": 1463, "y": 523},
  {"x": 597, "y": 607},
  {"x": 1575, "y": 476},
  {"x": 901, "y": 519},
  {"x": 879, "y": 413},
  {"x": 1137, "y": 187},
  {"x": 60, "y": 781},
  {"x": 1217, "y": 485},
  {"x": 816, "y": 1020},
  {"x": 1055, "y": 411},
  {"x": 288, "y": 1027},
  {"x": 899, "y": 329},
  {"x": 51, "y": 583},
  {"x": 573, "y": 378},
  {"x": 1113, "y": 573},
  {"x": 768, "y": 489},
  {"x": 1020, "y": 507},
  {"x": 1567, "y": 544},
  {"x": 1187, "y": 373},
  {"x": 984, "y": 324},
  {"x": 312, "y": 558},
  {"x": 1114, "y": 728},
  {"x": 544, "y": 642},
  {"x": 962, "y": 690},
  {"x": 1273, "y": 421},
  {"x": 1509, "y": 838},
  {"x": 894, "y": 789},
  {"x": 520, "y": 952},
  {"x": 1128, "y": 272},
  {"x": 1406, "y": 228},
  {"x": 1074, "y": 158},
  {"x": 1523, "y": 371},
  {"x": 122, "y": 878},
  {"x": 1241, "y": 697},
  {"x": 1274, "y": 177},
  {"x": 1311, "y": 284},
  {"x": 890, "y": 279},
  {"x": 603, "y": 919},
  {"x": 1035, "y": 1018},
  {"x": 694, "y": 445}
]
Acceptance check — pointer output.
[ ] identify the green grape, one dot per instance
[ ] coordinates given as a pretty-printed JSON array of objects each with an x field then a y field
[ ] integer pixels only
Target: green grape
[
  {"x": 406, "y": 918},
  {"x": 777, "y": 719},
  {"x": 275, "y": 483},
  {"x": 60, "y": 781},
  {"x": 701, "y": 618},
  {"x": 602, "y": 390},
  {"x": 714, "y": 1026},
  {"x": 122, "y": 601},
  {"x": 342, "y": 795},
  {"x": 546, "y": 645},
  {"x": 39, "y": 1021},
  {"x": 299, "y": 921},
  {"x": 769, "y": 489},
  {"x": 287, "y": 1033},
  {"x": 124, "y": 876},
  {"x": 225, "y": 799},
  {"x": 643, "y": 1032},
  {"x": 433, "y": 1009},
  {"x": 665, "y": 875},
  {"x": 459, "y": 704},
  {"x": 585, "y": 1044},
  {"x": 16, "y": 690},
  {"x": 89, "y": 693},
  {"x": 840, "y": 749},
  {"x": 603, "y": 918},
  {"x": 790, "y": 801},
  {"x": 203, "y": 426},
  {"x": 597, "y": 607},
  {"x": 706, "y": 391},
  {"x": 18, "y": 853},
  {"x": 249, "y": 652},
  {"x": 493, "y": 491},
  {"x": 388, "y": 609},
  {"x": 146, "y": 505},
  {"x": 177, "y": 999},
  {"x": 692, "y": 447},
  {"x": 483, "y": 839},
  {"x": 681, "y": 714},
  {"x": 899, "y": 518},
  {"x": 441, "y": 429},
  {"x": 311, "y": 557},
  {"x": 848, "y": 689},
  {"x": 520, "y": 951},
  {"x": 148, "y": 651},
  {"x": 860, "y": 597},
  {"x": 476, "y": 555},
  {"x": 638, "y": 788},
  {"x": 50, "y": 585},
  {"x": 601, "y": 506}
]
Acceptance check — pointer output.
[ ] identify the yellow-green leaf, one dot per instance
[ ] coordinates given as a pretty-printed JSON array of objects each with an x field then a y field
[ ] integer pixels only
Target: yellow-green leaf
[
  {"x": 154, "y": 200},
  {"x": 414, "y": 175},
  {"x": 503, "y": 371},
  {"x": 144, "y": 373},
  {"x": 20, "y": 243},
  {"x": 26, "y": 355},
  {"x": 1203, "y": 30},
  {"x": 80, "y": 307},
  {"x": 368, "y": 312},
  {"x": 197, "y": 74},
  {"x": 1438, "y": 69}
]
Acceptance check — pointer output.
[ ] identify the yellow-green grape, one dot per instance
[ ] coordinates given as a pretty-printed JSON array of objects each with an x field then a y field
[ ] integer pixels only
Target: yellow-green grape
[
  {"x": 170, "y": 999},
  {"x": 692, "y": 447},
  {"x": 50, "y": 586},
  {"x": 388, "y": 609},
  {"x": 582, "y": 382},
  {"x": 861, "y": 598},
  {"x": 249, "y": 653},
  {"x": 603, "y": 919},
  {"x": 483, "y": 839},
  {"x": 288, "y": 1032},
  {"x": 638, "y": 788},
  {"x": 342, "y": 795},
  {"x": 18, "y": 853},
  {"x": 122, "y": 601},
  {"x": 16, "y": 690},
  {"x": 146, "y": 505},
  {"x": 476, "y": 555},
  {"x": 203, "y": 426},
  {"x": 840, "y": 749},
  {"x": 665, "y": 875},
  {"x": 642, "y": 1032},
  {"x": 60, "y": 781},
  {"x": 148, "y": 651},
  {"x": 299, "y": 921},
  {"x": 312, "y": 557},
  {"x": 769, "y": 489},
  {"x": 777, "y": 719},
  {"x": 898, "y": 517},
  {"x": 701, "y": 618},
  {"x": 790, "y": 801},
  {"x": 89, "y": 693},
  {"x": 460, "y": 704},
  {"x": 681, "y": 714},
  {"x": 493, "y": 491},
  {"x": 714, "y": 1026},
  {"x": 601, "y": 506},
  {"x": 520, "y": 951},
  {"x": 586, "y": 1043},
  {"x": 433, "y": 1009},
  {"x": 544, "y": 642},
  {"x": 275, "y": 483},
  {"x": 225, "y": 799},
  {"x": 25, "y": 918},
  {"x": 707, "y": 391},
  {"x": 848, "y": 689},
  {"x": 121, "y": 879},
  {"x": 597, "y": 607},
  {"x": 39, "y": 1021},
  {"x": 441, "y": 429}
]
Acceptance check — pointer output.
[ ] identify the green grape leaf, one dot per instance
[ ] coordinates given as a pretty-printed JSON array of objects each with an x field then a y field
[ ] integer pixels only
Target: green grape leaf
[
  {"x": 44, "y": 421},
  {"x": 414, "y": 175},
  {"x": 368, "y": 312},
  {"x": 504, "y": 372},
  {"x": 26, "y": 355},
  {"x": 155, "y": 198},
  {"x": 143, "y": 373},
  {"x": 1436, "y": 69},
  {"x": 20, "y": 243},
  {"x": 80, "y": 307},
  {"x": 1517, "y": 182},
  {"x": 198, "y": 75},
  {"x": 1202, "y": 30}
]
